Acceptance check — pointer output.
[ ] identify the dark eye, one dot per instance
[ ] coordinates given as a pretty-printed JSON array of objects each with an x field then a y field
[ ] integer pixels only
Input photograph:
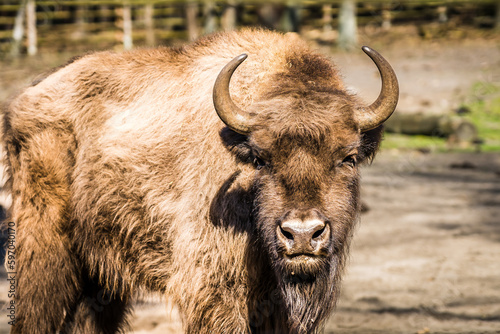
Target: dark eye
[
  {"x": 350, "y": 161},
  {"x": 258, "y": 162}
]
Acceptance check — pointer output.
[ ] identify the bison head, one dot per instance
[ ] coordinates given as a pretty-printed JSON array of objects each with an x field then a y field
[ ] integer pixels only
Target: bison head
[{"x": 306, "y": 139}]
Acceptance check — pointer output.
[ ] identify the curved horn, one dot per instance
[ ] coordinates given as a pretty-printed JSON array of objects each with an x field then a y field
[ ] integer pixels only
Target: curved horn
[
  {"x": 379, "y": 111},
  {"x": 234, "y": 117}
]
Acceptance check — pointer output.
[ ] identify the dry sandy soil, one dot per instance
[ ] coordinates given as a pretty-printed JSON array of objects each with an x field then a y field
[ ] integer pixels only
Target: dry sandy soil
[{"x": 425, "y": 257}]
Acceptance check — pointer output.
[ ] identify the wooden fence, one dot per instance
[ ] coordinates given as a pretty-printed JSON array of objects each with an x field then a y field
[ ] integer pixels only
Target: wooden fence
[{"x": 30, "y": 26}]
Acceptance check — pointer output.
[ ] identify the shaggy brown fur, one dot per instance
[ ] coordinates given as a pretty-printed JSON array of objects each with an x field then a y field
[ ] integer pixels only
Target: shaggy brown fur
[{"x": 124, "y": 178}]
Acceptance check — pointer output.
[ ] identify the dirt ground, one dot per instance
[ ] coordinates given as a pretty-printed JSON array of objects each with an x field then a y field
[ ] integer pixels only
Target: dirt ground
[{"x": 425, "y": 257}]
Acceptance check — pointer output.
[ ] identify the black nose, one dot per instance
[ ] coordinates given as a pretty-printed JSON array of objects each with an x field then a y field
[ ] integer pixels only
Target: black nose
[{"x": 300, "y": 236}]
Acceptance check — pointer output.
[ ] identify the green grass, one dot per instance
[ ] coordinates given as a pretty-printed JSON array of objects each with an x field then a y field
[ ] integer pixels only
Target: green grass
[
  {"x": 483, "y": 104},
  {"x": 400, "y": 141}
]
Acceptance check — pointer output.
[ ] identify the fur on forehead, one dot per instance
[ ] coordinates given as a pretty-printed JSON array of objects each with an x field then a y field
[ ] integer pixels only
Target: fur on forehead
[
  {"x": 304, "y": 97},
  {"x": 304, "y": 72},
  {"x": 306, "y": 119},
  {"x": 282, "y": 66}
]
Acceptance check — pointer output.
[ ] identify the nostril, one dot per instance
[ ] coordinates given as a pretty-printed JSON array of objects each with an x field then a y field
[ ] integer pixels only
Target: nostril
[
  {"x": 286, "y": 234},
  {"x": 319, "y": 232}
]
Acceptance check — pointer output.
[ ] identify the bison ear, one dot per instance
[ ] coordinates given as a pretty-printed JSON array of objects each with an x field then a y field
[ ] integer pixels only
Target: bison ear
[
  {"x": 370, "y": 143},
  {"x": 237, "y": 144}
]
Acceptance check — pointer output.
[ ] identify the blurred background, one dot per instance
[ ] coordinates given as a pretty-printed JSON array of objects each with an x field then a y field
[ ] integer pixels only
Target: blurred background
[{"x": 425, "y": 256}]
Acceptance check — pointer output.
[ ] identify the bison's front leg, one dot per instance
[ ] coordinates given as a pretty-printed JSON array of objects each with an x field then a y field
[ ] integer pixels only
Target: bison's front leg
[
  {"x": 214, "y": 302},
  {"x": 211, "y": 288},
  {"x": 48, "y": 278},
  {"x": 230, "y": 290}
]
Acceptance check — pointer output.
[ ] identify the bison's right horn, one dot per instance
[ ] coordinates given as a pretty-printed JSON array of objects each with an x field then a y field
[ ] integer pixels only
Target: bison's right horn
[{"x": 235, "y": 118}]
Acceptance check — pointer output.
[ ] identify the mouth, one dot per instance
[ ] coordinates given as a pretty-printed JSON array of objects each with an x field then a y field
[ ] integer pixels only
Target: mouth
[
  {"x": 300, "y": 258},
  {"x": 303, "y": 266}
]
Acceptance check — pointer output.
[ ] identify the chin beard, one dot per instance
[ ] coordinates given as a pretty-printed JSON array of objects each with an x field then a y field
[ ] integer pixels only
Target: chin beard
[{"x": 310, "y": 297}]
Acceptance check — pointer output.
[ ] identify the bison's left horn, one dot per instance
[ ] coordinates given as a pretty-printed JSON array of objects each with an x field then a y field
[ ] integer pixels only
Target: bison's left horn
[
  {"x": 235, "y": 118},
  {"x": 379, "y": 111}
]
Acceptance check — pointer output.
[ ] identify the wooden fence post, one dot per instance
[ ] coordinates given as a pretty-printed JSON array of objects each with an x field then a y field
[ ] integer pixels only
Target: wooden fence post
[
  {"x": 327, "y": 18},
  {"x": 443, "y": 15},
  {"x": 104, "y": 13},
  {"x": 348, "y": 29},
  {"x": 127, "y": 27},
  {"x": 269, "y": 15},
  {"x": 191, "y": 20},
  {"x": 290, "y": 20},
  {"x": 149, "y": 24},
  {"x": 18, "y": 31},
  {"x": 31, "y": 27},
  {"x": 386, "y": 17},
  {"x": 228, "y": 20},
  {"x": 328, "y": 34},
  {"x": 79, "y": 30},
  {"x": 210, "y": 17}
]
